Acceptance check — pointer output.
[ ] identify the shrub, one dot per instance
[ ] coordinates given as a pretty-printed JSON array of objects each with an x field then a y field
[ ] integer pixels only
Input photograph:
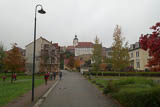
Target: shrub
[
  {"x": 156, "y": 74},
  {"x": 139, "y": 97},
  {"x": 135, "y": 92}
]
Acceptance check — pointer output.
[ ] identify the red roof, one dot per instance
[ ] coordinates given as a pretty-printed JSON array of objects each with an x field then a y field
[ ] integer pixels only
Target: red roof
[
  {"x": 84, "y": 45},
  {"x": 70, "y": 48},
  {"x": 56, "y": 45}
]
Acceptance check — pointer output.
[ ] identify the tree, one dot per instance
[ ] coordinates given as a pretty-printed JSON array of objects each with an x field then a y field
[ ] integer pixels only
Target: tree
[
  {"x": 97, "y": 55},
  {"x": 120, "y": 55},
  {"x": 2, "y": 56},
  {"x": 14, "y": 61},
  {"x": 71, "y": 63},
  {"x": 61, "y": 60},
  {"x": 77, "y": 63},
  {"x": 151, "y": 42}
]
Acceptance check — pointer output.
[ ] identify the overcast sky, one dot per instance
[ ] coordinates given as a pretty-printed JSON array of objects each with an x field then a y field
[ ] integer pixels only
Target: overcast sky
[{"x": 85, "y": 18}]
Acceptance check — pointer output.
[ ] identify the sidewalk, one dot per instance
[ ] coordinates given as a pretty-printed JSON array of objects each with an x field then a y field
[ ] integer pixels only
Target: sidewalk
[{"x": 25, "y": 100}]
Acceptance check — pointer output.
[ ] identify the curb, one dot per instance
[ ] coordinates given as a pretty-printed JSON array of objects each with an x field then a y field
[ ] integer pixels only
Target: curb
[{"x": 39, "y": 102}]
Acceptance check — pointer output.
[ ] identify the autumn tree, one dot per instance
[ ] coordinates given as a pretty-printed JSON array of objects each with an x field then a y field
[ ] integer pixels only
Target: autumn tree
[
  {"x": 97, "y": 55},
  {"x": 120, "y": 55},
  {"x": 151, "y": 43},
  {"x": 14, "y": 61},
  {"x": 2, "y": 56},
  {"x": 77, "y": 63},
  {"x": 71, "y": 62}
]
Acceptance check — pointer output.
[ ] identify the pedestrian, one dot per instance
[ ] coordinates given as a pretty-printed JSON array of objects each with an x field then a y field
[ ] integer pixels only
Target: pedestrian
[
  {"x": 46, "y": 75},
  {"x": 14, "y": 77},
  {"x": 54, "y": 75},
  {"x": 51, "y": 75},
  {"x": 4, "y": 78},
  {"x": 60, "y": 75}
]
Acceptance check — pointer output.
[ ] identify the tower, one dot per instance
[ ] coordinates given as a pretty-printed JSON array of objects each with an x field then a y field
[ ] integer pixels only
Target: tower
[{"x": 75, "y": 41}]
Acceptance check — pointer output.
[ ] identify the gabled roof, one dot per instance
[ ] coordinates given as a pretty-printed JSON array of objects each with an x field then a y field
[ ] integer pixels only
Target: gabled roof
[
  {"x": 84, "y": 45},
  {"x": 38, "y": 39}
]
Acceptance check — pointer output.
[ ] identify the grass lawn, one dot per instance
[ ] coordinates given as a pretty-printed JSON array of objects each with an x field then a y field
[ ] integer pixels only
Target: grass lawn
[
  {"x": 23, "y": 84},
  {"x": 131, "y": 91}
]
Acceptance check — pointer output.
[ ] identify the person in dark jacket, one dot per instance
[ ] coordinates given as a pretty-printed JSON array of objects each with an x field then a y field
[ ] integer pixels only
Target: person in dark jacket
[
  {"x": 54, "y": 75},
  {"x": 60, "y": 75}
]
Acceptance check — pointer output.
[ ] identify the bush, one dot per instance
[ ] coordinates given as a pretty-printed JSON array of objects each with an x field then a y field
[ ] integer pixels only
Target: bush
[
  {"x": 135, "y": 92},
  {"x": 139, "y": 97}
]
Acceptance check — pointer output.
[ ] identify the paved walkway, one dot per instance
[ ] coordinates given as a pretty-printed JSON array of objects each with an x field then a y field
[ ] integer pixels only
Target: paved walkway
[{"x": 75, "y": 91}]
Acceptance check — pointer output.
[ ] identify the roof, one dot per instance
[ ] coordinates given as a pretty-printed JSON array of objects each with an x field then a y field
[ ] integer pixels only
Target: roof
[
  {"x": 84, "y": 45},
  {"x": 70, "y": 48},
  {"x": 38, "y": 39},
  {"x": 56, "y": 45}
]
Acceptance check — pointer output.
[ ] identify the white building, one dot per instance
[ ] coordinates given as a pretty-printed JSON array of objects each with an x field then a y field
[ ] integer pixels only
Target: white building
[
  {"x": 29, "y": 54},
  {"x": 108, "y": 52},
  {"x": 84, "y": 48},
  {"x": 75, "y": 41}
]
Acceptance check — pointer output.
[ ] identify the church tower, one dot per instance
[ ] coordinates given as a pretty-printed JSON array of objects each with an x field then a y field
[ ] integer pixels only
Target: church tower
[{"x": 75, "y": 41}]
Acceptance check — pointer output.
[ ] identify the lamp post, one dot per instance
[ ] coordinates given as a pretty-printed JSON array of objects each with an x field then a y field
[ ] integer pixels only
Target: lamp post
[{"x": 41, "y": 11}]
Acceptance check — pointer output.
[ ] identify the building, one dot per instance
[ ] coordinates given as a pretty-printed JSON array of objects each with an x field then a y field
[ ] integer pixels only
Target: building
[
  {"x": 108, "y": 52},
  {"x": 71, "y": 49},
  {"x": 75, "y": 41},
  {"x": 50, "y": 58},
  {"x": 84, "y": 48},
  {"x": 80, "y": 48},
  {"x": 44, "y": 48},
  {"x": 138, "y": 57}
]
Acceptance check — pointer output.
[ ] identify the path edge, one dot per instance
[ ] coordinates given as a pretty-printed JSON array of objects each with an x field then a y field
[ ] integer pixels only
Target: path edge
[{"x": 39, "y": 102}]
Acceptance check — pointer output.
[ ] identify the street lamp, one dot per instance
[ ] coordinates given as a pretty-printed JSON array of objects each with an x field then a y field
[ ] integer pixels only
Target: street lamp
[{"x": 41, "y": 11}]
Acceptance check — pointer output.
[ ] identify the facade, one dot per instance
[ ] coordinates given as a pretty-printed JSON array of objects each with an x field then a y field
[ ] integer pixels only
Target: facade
[
  {"x": 108, "y": 52},
  {"x": 45, "y": 48},
  {"x": 84, "y": 48},
  {"x": 71, "y": 49},
  {"x": 138, "y": 57},
  {"x": 104, "y": 51}
]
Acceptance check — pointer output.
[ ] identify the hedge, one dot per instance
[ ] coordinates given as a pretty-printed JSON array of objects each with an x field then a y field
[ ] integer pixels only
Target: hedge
[
  {"x": 135, "y": 92},
  {"x": 156, "y": 74},
  {"x": 139, "y": 97}
]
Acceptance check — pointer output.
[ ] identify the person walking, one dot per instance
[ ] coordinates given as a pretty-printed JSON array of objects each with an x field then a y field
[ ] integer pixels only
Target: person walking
[
  {"x": 51, "y": 75},
  {"x": 46, "y": 77},
  {"x": 60, "y": 75},
  {"x": 54, "y": 75}
]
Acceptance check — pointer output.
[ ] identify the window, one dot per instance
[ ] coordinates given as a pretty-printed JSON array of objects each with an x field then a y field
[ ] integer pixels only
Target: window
[
  {"x": 137, "y": 54},
  {"x": 137, "y": 63},
  {"x": 131, "y": 55}
]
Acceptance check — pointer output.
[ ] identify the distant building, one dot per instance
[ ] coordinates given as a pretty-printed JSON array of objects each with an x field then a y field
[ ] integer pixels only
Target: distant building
[
  {"x": 43, "y": 47},
  {"x": 75, "y": 41},
  {"x": 138, "y": 56},
  {"x": 108, "y": 52},
  {"x": 71, "y": 49},
  {"x": 84, "y": 48},
  {"x": 104, "y": 51}
]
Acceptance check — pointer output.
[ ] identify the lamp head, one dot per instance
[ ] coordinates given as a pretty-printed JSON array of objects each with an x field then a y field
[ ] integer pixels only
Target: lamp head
[{"x": 41, "y": 11}]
